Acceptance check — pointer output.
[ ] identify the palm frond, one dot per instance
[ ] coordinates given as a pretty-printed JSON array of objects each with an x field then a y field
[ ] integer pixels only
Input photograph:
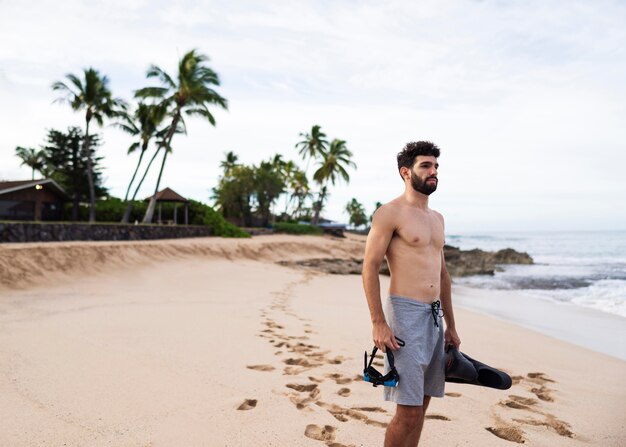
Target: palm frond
[
  {"x": 133, "y": 147},
  {"x": 151, "y": 92}
]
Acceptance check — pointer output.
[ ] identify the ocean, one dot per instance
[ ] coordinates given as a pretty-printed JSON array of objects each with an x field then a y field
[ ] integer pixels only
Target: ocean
[{"x": 585, "y": 269}]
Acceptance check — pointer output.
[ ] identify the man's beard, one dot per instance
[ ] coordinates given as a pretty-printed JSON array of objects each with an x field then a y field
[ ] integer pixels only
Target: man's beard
[{"x": 422, "y": 186}]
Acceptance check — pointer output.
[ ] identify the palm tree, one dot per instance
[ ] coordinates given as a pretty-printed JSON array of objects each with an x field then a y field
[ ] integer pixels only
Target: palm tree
[
  {"x": 144, "y": 124},
  {"x": 332, "y": 167},
  {"x": 301, "y": 191},
  {"x": 313, "y": 145},
  {"x": 32, "y": 158},
  {"x": 92, "y": 94},
  {"x": 229, "y": 162},
  {"x": 191, "y": 93},
  {"x": 356, "y": 211}
]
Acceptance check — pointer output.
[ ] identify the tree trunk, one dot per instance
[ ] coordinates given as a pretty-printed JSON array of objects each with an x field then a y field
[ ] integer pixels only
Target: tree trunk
[
  {"x": 92, "y": 190},
  {"x": 147, "y": 218},
  {"x": 132, "y": 179},
  {"x": 318, "y": 206},
  {"x": 129, "y": 205}
]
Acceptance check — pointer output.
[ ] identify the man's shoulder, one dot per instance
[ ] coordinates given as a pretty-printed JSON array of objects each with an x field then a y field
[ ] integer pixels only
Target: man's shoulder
[
  {"x": 437, "y": 213},
  {"x": 389, "y": 208}
]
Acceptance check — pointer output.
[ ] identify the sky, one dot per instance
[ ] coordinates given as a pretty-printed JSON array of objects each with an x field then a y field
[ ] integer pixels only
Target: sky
[{"x": 526, "y": 99}]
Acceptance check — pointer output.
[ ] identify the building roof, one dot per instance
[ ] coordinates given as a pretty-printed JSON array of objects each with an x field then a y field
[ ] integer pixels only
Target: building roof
[
  {"x": 168, "y": 195},
  {"x": 17, "y": 185}
]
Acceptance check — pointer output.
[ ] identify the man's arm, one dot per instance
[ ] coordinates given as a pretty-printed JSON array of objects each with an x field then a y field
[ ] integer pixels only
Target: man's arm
[
  {"x": 450, "y": 336},
  {"x": 378, "y": 240}
]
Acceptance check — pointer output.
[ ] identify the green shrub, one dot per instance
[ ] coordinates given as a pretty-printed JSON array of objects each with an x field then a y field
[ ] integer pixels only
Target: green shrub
[
  {"x": 112, "y": 210},
  {"x": 295, "y": 228},
  {"x": 201, "y": 214}
]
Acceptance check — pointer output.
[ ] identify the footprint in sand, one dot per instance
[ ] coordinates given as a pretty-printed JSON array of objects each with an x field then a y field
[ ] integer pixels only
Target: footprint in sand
[
  {"x": 508, "y": 432},
  {"x": 302, "y": 388},
  {"x": 372, "y": 409},
  {"x": 344, "y": 392},
  {"x": 261, "y": 367},
  {"x": 453, "y": 394},
  {"x": 529, "y": 404},
  {"x": 539, "y": 376},
  {"x": 298, "y": 362},
  {"x": 339, "y": 379},
  {"x": 302, "y": 403},
  {"x": 247, "y": 404},
  {"x": 519, "y": 402},
  {"x": 561, "y": 427},
  {"x": 326, "y": 433},
  {"x": 293, "y": 371},
  {"x": 315, "y": 379},
  {"x": 542, "y": 393},
  {"x": 342, "y": 414},
  {"x": 337, "y": 360},
  {"x": 437, "y": 417}
]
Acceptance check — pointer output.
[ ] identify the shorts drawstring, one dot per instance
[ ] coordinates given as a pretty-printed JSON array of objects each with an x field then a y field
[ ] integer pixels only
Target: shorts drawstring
[{"x": 435, "y": 309}]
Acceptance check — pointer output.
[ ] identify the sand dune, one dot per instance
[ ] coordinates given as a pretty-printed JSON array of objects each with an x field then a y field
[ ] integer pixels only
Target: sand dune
[{"x": 25, "y": 265}]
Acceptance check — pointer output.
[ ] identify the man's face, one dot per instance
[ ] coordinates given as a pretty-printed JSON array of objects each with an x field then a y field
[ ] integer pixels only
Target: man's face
[{"x": 424, "y": 174}]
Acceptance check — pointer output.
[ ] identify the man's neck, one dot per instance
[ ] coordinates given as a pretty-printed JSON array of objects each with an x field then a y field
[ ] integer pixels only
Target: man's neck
[{"x": 416, "y": 198}]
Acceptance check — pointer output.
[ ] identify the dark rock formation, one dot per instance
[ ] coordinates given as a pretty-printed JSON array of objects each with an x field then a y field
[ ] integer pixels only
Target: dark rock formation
[
  {"x": 459, "y": 262},
  {"x": 479, "y": 262}
]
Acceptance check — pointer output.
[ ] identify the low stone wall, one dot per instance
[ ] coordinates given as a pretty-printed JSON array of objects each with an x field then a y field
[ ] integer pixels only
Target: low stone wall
[{"x": 52, "y": 232}]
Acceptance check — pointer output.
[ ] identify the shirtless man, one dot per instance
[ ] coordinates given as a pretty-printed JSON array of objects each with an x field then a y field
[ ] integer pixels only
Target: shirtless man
[{"x": 411, "y": 236}]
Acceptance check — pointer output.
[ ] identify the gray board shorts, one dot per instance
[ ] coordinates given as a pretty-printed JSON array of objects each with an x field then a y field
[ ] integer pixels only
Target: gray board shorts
[{"x": 421, "y": 362}]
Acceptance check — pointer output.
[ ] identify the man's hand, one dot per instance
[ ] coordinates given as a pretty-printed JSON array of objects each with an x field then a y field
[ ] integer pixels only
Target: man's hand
[
  {"x": 383, "y": 337},
  {"x": 451, "y": 338}
]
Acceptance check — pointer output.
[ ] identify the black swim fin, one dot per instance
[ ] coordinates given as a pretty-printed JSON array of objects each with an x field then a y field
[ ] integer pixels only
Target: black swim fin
[{"x": 485, "y": 374}]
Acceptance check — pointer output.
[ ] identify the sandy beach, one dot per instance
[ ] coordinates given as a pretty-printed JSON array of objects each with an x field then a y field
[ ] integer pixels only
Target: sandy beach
[{"x": 209, "y": 342}]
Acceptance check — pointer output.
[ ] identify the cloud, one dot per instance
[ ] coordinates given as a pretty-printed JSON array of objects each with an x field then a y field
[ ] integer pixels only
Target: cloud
[{"x": 517, "y": 94}]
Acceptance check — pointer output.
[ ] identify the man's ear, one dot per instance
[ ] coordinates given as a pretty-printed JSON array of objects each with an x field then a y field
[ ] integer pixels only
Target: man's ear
[{"x": 404, "y": 172}]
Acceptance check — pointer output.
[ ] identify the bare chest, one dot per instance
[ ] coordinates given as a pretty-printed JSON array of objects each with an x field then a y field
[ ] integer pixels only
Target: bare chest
[{"x": 420, "y": 229}]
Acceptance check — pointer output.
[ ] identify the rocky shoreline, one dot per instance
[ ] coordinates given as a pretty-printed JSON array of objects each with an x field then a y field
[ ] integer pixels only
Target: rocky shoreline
[{"x": 459, "y": 262}]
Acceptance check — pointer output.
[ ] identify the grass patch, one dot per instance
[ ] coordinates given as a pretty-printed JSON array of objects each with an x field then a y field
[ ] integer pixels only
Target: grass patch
[{"x": 295, "y": 228}]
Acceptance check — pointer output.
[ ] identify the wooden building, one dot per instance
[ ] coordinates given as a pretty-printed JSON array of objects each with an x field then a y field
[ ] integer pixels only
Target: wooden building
[
  {"x": 168, "y": 195},
  {"x": 31, "y": 200}
]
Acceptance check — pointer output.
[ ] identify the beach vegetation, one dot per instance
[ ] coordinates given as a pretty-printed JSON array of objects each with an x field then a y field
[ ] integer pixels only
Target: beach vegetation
[
  {"x": 111, "y": 209},
  {"x": 189, "y": 93},
  {"x": 92, "y": 95},
  {"x": 248, "y": 193},
  {"x": 234, "y": 192},
  {"x": 65, "y": 161},
  {"x": 356, "y": 211},
  {"x": 333, "y": 165},
  {"x": 296, "y": 228},
  {"x": 312, "y": 145},
  {"x": 33, "y": 158}
]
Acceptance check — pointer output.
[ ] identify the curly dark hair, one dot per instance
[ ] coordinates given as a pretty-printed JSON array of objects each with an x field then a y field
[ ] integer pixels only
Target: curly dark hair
[{"x": 411, "y": 150}]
